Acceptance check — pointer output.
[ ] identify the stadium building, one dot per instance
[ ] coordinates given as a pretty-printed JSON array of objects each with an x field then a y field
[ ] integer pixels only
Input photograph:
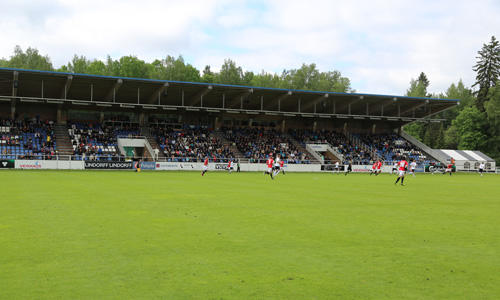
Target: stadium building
[{"x": 65, "y": 120}]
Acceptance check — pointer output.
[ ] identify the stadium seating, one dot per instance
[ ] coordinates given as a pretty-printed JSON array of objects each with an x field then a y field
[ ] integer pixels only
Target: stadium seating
[
  {"x": 256, "y": 144},
  {"x": 27, "y": 139},
  {"x": 392, "y": 147},
  {"x": 94, "y": 141},
  {"x": 337, "y": 141},
  {"x": 189, "y": 144}
]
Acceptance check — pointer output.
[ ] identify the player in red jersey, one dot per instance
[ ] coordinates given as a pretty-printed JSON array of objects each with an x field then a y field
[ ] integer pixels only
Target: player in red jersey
[
  {"x": 374, "y": 168},
  {"x": 379, "y": 167},
  {"x": 449, "y": 169},
  {"x": 282, "y": 164},
  {"x": 205, "y": 166},
  {"x": 402, "y": 166},
  {"x": 270, "y": 163},
  {"x": 230, "y": 166}
]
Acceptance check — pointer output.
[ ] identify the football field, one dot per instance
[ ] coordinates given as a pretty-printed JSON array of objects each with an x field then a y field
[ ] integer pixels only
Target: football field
[{"x": 177, "y": 235}]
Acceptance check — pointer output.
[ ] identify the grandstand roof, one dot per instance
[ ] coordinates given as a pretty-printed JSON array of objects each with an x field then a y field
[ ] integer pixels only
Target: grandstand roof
[{"x": 151, "y": 94}]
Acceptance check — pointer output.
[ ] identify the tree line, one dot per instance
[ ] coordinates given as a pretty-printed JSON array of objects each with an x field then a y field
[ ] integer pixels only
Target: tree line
[
  {"x": 474, "y": 124},
  {"x": 307, "y": 77}
]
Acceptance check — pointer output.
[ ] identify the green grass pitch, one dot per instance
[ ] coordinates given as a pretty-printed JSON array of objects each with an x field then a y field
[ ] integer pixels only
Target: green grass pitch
[{"x": 177, "y": 235}]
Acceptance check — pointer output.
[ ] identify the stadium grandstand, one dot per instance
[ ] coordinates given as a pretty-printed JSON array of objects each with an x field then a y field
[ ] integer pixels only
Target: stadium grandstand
[{"x": 64, "y": 116}]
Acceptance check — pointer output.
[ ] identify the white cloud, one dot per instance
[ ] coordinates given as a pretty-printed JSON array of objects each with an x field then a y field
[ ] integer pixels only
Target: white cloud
[{"x": 380, "y": 45}]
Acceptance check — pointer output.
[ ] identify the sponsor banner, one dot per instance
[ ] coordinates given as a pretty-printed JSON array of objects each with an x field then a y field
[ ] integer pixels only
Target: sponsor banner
[
  {"x": 148, "y": 165},
  {"x": 29, "y": 164},
  {"x": 361, "y": 168},
  {"x": 318, "y": 147},
  {"x": 110, "y": 165},
  {"x": 221, "y": 166},
  {"x": 177, "y": 166},
  {"x": 7, "y": 164}
]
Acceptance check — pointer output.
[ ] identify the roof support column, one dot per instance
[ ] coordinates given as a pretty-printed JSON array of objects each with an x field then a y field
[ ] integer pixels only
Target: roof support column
[
  {"x": 261, "y": 102},
  {"x": 334, "y": 107},
  {"x": 91, "y": 92},
  {"x": 182, "y": 97},
  {"x": 223, "y": 100},
  {"x": 157, "y": 93},
  {"x": 367, "y": 108},
  {"x": 399, "y": 110},
  {"x": 138, "y": 95},
  {"x": 13, "y": 109},
  {"x": 67, "y": 85},
  {"x": 111, "y": 95},
  {"x": 382, "y": 110},
  {"x": 298, "y": 104},
  {"x": 349, "y": 109},
  {"x": 42, "y": 89},
  {"x": 241, "y": 102},
  {"x": 15, "y": 86}
]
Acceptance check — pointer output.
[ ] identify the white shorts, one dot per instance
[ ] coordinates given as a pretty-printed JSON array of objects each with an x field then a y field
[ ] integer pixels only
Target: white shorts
[
  {"x": 447, "y": 170},
  {"x": 401, "y": 173},
  {"x": 205, "y": 168},
  {"x": 269, "y": 170}
]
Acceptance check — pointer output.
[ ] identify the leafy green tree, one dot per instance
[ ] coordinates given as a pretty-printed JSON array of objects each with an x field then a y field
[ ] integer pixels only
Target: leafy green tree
[
  {"x": 265, "y": 79},
  {"x": 177, "y": 69},
  {"x": 208, "y": 76},
  {"x": 470, "y": 129},
  {"x": 230, "y": 73},
  {"x": 418, "y": 88},
  {"x": 78, "y": 64},
  {"x": 423, "y": 80},
  {"x": 493, "y": 116},
  {"x": 488, "y": 70},
  {"x": 97, "y": 67},
  {"x": 131, "y": 66},
  {"x": 31, "y": 59},
  {"x": 451, "y": 138}
]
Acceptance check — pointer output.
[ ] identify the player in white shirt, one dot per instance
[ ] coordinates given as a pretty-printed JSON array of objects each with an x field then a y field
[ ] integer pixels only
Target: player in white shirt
[
  {"x": 481, "y": 168},
  {"x": 276, "y": 166},
  {"x": 337, "y": 168},
  {"x": 413, "y": 165},
  {"x": 394, "y": 168}
]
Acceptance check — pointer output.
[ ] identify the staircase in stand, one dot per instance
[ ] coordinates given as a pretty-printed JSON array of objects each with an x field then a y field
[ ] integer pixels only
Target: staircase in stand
[
  {"x": 64, "y": 145},
  {"x": 152, "y": 141},
  {"x": 302, "y": 149},
  {"x": 220, "y": 136}
]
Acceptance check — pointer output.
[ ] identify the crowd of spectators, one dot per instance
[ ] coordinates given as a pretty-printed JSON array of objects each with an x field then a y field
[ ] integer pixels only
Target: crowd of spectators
[
  {"x": 28, "y": 138},
  {"x": 190, "y": 144},
  {"x": 392, "y": 147},
  {"x": 256, "y": 144},
  {"x": 94, "y": 141},
  {"x": 338, "y": 141}
]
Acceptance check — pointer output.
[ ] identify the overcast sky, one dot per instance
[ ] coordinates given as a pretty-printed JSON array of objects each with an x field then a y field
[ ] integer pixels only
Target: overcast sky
[{"x": 379, "y": 45}]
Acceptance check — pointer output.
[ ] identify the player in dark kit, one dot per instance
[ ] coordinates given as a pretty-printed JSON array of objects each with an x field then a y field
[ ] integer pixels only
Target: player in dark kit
[{"x": 348, "y": 169}]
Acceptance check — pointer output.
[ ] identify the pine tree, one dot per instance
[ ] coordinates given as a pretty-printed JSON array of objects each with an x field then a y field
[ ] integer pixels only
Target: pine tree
[{"x": 488, "y": 70}]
